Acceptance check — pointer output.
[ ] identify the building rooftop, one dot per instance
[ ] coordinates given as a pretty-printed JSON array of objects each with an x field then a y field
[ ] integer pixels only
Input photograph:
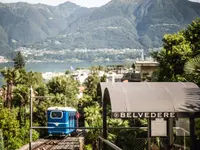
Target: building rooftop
[{"x": 146, "y": 62}]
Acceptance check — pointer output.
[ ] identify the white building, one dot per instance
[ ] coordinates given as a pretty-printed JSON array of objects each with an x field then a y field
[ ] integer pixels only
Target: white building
[
  {"x": 81, "y": 75},
  {"x": 50, "y": 75}
]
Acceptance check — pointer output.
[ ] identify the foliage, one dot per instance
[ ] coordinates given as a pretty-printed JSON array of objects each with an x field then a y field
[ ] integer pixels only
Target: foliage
[
  {"x": 133, "y": 66},
  {"x": 86, "y": 100},
  {"x": 197, "y": 128},
  {"x": 11, "y": 76},
  {"x": 41, "y": 89},
  {"x": 65, "y": 89},
  {"x": 88, "y": 147},
  {"x": 91, "y": 84},
  {"x": 1, "y": 101},
  {"x": 180, "y": 58},
  {"x": 64, "y": 85},
  {"x": 192, "y": 70},
  {"x": 176, "y": 51},
  {"x": 17, "y": 89},
  {"x": 193, "y": 66},
  {"x": 113, "y": 134},
  {"x": 67, "y": 72},
  {"x": 103, "y": 78},
  {"x": 33, "y": 79},
  {"x": 39, "y": 111},
  {"x": 93, "y": 118},
  {"x": 13, "y": 135},
  {"x": 20, "y": 99},
  {"x": 192, "y": 35},
  {"x": 25, "y": 133},
  {"x": 1, "y": 140},
  {"x": 20, "y": 95},
  {"x": 40, "y": 105},
  {"x": 19, "y": 61}
]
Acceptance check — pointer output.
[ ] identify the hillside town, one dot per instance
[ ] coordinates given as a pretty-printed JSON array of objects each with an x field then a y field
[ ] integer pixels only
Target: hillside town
[{"x": 142, "y": 72}]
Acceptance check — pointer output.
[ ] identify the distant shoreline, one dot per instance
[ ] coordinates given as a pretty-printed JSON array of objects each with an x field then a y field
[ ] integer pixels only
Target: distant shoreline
[{"x": 59, "y": 66}]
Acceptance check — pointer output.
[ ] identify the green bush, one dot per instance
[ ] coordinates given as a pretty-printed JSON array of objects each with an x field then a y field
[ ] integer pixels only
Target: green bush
[{"x": 1, "y": 140}]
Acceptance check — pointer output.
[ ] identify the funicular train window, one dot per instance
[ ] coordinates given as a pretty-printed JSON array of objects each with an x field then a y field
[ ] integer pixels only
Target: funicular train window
[
  {"x": 56, "y": 114},
  {"x": 71, "y": 119}
]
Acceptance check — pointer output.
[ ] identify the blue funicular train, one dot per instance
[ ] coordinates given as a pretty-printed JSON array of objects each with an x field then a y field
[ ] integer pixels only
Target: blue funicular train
[{"x": 61, "y": 117}]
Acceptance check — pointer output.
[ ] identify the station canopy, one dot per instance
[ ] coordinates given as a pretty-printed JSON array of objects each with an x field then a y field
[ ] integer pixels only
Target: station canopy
[{"x": 152, "y": 99}]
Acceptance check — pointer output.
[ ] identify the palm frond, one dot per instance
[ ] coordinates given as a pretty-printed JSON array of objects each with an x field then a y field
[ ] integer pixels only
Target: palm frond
[{"x": 193, "y": 66}]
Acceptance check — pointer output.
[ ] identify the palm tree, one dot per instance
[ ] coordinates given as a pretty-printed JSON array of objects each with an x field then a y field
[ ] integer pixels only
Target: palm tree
[
  {"x": 193, "y": 66},
  {"x": 11, "y": 76},
  {"x": 192, "y": 69}
]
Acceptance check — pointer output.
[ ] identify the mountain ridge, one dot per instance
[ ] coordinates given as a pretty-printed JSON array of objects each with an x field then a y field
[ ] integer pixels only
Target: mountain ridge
[{"x": 117, "y": 24}]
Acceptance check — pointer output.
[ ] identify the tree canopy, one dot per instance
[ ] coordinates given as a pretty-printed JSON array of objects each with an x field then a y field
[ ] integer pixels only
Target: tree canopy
[
  {"x": 178, "y": 48},
  {"x": 19, "y": 61}
]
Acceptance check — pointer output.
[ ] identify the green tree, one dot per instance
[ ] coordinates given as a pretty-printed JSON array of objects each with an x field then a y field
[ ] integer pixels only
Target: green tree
[
  {"x": 103, "y": 78},
  {"x": 133, "y": 66},
  {"x": 176, "y": 51},
  {"x": 34, "y": 79},
  {"x": 192, "y": 34},
  {"x": 24, "y": 133},
  {"x": 93, "y": 118},
  {"x": 10, "y": 126},
  {"x": 11, "y": 76},
  {"x": 67, "y": 72},
  {"x": 19, "y": 61},
  {"x": 64, "y": 85},
  {"x": 14, "y": 136},
  {"x": 21, "y": 100},
  {"x": 91, "y": 84}
]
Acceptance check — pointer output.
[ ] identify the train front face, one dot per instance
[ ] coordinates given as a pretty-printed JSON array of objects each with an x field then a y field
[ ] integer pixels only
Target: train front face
[{"x": 58, "y": 118}]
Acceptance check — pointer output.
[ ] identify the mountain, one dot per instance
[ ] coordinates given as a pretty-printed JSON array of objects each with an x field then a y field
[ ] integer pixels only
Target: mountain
[
  {"x": 23, "y": 23},
  {"x": 118, "y": 24},
  {"x": 126, "y": 23}
]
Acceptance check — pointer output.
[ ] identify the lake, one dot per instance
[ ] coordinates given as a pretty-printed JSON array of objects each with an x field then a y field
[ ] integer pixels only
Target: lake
[{"x": 55, "y": 66}]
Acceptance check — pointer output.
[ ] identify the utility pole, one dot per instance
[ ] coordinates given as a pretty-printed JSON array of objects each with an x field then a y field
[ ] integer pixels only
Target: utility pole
[{"x": 31, "y": 125}]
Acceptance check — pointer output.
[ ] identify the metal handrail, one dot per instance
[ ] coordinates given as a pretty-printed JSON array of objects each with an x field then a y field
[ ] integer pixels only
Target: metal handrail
[
  {"x": 110, "y": 143},
  {"x": 179, "y": 128},
  {"x": 180, "y": 146},
  {"x": 109, "y": 128}
]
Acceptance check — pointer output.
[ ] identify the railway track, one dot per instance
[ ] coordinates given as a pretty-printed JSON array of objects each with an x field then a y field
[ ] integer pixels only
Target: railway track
[{"x": 65, "y": 143}]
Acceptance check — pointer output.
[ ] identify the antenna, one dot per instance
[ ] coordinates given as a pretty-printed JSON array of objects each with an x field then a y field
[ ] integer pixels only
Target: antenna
[{"x": 142, "y": 55}]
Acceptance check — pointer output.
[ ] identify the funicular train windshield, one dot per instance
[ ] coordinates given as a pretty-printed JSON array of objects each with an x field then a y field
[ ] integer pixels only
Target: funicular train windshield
[{"x": 56, "y": 114}]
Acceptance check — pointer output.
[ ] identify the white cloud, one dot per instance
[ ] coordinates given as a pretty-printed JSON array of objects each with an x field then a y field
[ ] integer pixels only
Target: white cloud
[
  {"x": 86, "y": 3},
  {"x": 195, "y": 1}
]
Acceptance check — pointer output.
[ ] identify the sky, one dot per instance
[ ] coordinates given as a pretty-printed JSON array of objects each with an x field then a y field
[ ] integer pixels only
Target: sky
[
  {"x": 85, "y": 3},
  {"x": 195, "y": 0}
]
